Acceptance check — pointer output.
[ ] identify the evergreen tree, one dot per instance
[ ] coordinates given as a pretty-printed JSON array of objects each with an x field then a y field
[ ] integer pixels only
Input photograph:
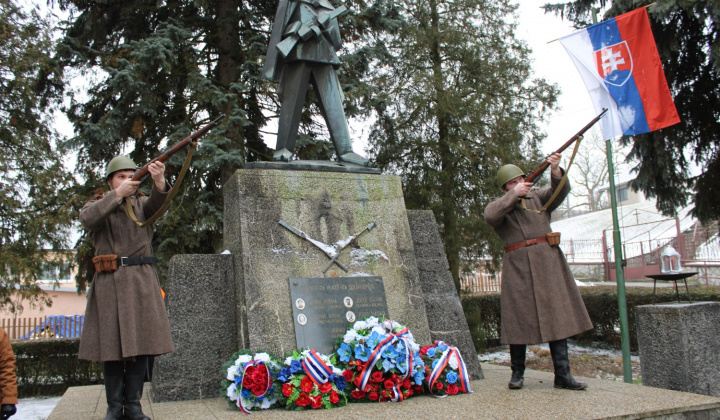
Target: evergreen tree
[
  {"x": 34, "y": 220},
  {"x": 687, "y": 36},
  {"x": 454, "y": 101},
  {"x": 162, "y": 69}
]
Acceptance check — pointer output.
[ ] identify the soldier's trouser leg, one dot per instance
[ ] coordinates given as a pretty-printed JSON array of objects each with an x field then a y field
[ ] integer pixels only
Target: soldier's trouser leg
[
  {"x": 293, "y": 89},
  {"x": 113, "y": 378},
  {"x": 135, "y": 373},
  {"x": 328, "y": 89}
]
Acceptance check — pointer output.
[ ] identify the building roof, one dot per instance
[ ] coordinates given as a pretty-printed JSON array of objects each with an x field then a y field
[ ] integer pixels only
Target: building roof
[{"x": 639, "y": 221}]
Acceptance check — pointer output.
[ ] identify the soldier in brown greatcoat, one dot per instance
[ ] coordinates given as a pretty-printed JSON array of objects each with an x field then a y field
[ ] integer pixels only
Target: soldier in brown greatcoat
[
  {"x": 540, "y": 301},
  {"x": 125, "y": 318}
]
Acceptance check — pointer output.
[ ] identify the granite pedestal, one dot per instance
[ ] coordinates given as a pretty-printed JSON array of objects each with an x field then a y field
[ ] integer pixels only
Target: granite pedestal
[
  {"x": 680, "y": 346},
  {"x": 446, "y": 318},
  {"x": 218, "y": 304}
]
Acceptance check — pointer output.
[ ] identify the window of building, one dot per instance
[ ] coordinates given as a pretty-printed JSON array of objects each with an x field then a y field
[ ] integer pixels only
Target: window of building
[
  {"x": 51, "y": 272},
  {"x": 622, "y": 194}
]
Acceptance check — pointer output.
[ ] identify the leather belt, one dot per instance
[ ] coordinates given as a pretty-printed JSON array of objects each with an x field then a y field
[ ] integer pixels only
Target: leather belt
[
  {"x": 524, "y": 244},
  {"x": 125, "y": 261}
]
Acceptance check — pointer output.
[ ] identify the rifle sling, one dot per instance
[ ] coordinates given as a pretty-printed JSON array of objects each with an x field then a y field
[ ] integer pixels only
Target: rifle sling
[
  {"x": 173, "y": 191},
  {"x": 560, "y": 185}
]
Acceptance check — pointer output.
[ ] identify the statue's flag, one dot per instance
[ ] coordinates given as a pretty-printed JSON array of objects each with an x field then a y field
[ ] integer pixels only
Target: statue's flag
[{"x": 621, "y": 68}]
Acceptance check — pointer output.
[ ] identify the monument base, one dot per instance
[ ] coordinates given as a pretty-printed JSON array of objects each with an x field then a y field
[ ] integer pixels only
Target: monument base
[{"x": 679, "y": 345}]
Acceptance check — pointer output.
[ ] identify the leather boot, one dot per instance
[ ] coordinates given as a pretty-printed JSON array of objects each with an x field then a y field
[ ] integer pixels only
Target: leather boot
[
  {"x": 113, "y": 378},
  {"x": 517, "y": 364},
  {"x": 134, "y": 379},
  {"x": 561, "y": 362}
]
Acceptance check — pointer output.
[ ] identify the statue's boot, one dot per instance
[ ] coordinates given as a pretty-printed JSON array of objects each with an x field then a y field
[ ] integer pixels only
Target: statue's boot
[
  {"x": 282, "y": 155},
  {"x": 561, "y": 362},
  {"x": 352, "y": 157},
  {"x": 517, "y": 364}
]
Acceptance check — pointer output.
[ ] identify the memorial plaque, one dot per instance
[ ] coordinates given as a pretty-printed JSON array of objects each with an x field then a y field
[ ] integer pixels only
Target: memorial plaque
[{"x": 324, "y": 308}]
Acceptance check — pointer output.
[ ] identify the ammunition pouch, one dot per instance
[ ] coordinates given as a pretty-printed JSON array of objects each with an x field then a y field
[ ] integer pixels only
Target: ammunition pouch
[
  {"x": 105, "y": 263},
  {"x": 553, "y": 238}
]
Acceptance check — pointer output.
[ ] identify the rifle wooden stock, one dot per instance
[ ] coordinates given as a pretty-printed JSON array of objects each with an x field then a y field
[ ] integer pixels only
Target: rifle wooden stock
[
  {"x": 142, "y": 173},
  {"x": 540, "y": 169}
]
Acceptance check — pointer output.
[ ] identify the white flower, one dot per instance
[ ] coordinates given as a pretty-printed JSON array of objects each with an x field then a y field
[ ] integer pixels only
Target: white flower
[
  {"x": 263, "y": 357},
  {"x": 372, "y": 321},
  {"x": 232, "y": 392},
  {"x": 267, "y": 402},
  {"x": 337, "y": 371},
  {"x": 453, "y": 361},
  {"x": 231, "y": 373},
  {"x": 288, "y": 360},
  {"x": 380, "y": 330},
  {"x": 242, "y": 359},
  {"x": 360, "y": 325},
  {"x": 349, "y": 336}
]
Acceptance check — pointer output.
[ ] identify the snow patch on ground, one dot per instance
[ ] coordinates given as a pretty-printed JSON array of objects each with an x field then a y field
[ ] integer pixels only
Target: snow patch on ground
[{"x": 35, "y": 408}]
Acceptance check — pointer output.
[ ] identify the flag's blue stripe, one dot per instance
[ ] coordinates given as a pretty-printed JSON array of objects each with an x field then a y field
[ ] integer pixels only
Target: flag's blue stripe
[{"x": 632, "y": 122}]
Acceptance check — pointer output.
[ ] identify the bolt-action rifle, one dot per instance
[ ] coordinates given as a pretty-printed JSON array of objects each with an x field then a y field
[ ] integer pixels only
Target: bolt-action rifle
[
  {"x": 143, "y": 173},
  {"x": 540, "y": 169}
]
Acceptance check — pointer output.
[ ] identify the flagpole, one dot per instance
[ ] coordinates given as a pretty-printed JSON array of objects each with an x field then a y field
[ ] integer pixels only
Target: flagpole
[{"x": 619, "y": 271}]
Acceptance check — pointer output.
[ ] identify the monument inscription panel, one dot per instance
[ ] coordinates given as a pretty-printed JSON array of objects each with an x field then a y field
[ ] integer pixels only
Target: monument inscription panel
[{"x": 324, "y": 308}]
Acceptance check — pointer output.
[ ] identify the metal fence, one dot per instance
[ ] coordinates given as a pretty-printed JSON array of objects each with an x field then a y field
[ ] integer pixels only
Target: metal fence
[{"x": 51, "y": 326}]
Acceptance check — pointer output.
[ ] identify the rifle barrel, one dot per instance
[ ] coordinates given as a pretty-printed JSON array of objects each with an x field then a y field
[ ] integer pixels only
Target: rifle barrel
[
  {"x": 143, "y": 173},
  {"x": 543, "y": 166}
]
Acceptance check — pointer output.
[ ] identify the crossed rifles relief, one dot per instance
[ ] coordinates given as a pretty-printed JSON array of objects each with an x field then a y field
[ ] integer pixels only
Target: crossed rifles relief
[{"x": 332, "y": 251}]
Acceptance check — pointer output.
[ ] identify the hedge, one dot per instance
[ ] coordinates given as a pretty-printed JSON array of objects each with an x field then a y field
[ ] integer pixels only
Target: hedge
[
  {"x": 483, "y": 312},
  {"x": 50, "y": 366}
]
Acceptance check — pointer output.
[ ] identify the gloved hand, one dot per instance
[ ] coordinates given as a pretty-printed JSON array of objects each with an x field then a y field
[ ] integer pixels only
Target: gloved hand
[{"x": 7, "y": 411}]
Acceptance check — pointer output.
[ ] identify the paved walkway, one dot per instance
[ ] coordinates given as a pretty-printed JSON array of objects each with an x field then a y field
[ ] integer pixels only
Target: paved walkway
[{"x": 491, "y": 399}]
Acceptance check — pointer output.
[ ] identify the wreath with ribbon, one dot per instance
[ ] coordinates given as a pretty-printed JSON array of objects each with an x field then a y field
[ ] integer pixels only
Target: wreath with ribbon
[
  {"x": 309, "y": 380},
  {"x": 248, "y": 383},
  {"x": 381, "y": 361}
]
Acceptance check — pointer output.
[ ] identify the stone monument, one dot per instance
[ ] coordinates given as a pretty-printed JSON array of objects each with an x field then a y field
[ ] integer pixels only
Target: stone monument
[
  {"x": 311, "y": 246},
  {"x": 679, "y": 345}
]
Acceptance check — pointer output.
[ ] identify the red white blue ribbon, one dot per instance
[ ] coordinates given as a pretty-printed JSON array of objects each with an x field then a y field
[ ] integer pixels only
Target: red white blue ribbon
[
  {"x": 316, "y": 369},
  {"x": 376, "y": 355},
  {"x": 241, "y": 400},
  {"x": 463, "y": 377}
]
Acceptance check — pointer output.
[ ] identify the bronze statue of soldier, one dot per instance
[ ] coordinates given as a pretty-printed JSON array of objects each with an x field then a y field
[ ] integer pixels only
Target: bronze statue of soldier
[{"x": 304, "y": 39}]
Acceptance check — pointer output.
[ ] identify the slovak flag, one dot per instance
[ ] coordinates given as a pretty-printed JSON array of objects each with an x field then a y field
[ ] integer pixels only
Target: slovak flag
[{"x": 621, "y": 68}]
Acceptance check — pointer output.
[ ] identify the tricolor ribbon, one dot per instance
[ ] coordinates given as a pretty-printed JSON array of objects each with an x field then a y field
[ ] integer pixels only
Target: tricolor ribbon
[
  {"x": 316, "y": 369},
  {"x": 440, "y": 366},
  {"x": 377, "y": 354},
  {"x": 241, "y": 400}
]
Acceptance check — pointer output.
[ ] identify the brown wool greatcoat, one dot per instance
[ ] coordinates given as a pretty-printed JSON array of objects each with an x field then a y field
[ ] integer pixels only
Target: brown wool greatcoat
[
  {"x": 540, "y": 301},
  {"x": 8, "y": 379},
  {"x": 125, "y": 315}
]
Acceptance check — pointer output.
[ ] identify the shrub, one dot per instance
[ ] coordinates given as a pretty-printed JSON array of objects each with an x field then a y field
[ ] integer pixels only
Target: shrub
[
  {"x": 50, "y": 366},
  {"x": 483, "y": 312}
]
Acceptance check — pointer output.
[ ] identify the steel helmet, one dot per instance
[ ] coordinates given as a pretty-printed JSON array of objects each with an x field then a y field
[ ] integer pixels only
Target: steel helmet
[
  {"x": 508, "y": 173},
  {"x": 119, "y": 163}
]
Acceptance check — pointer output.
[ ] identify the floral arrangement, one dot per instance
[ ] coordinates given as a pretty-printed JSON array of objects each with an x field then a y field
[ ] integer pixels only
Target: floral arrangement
[
  {"x": 381, "y": 361},
  {"x": 248, "y": 382},
  {"x": 309, "y": 380},
  {"x": 447, "y": 373}
]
